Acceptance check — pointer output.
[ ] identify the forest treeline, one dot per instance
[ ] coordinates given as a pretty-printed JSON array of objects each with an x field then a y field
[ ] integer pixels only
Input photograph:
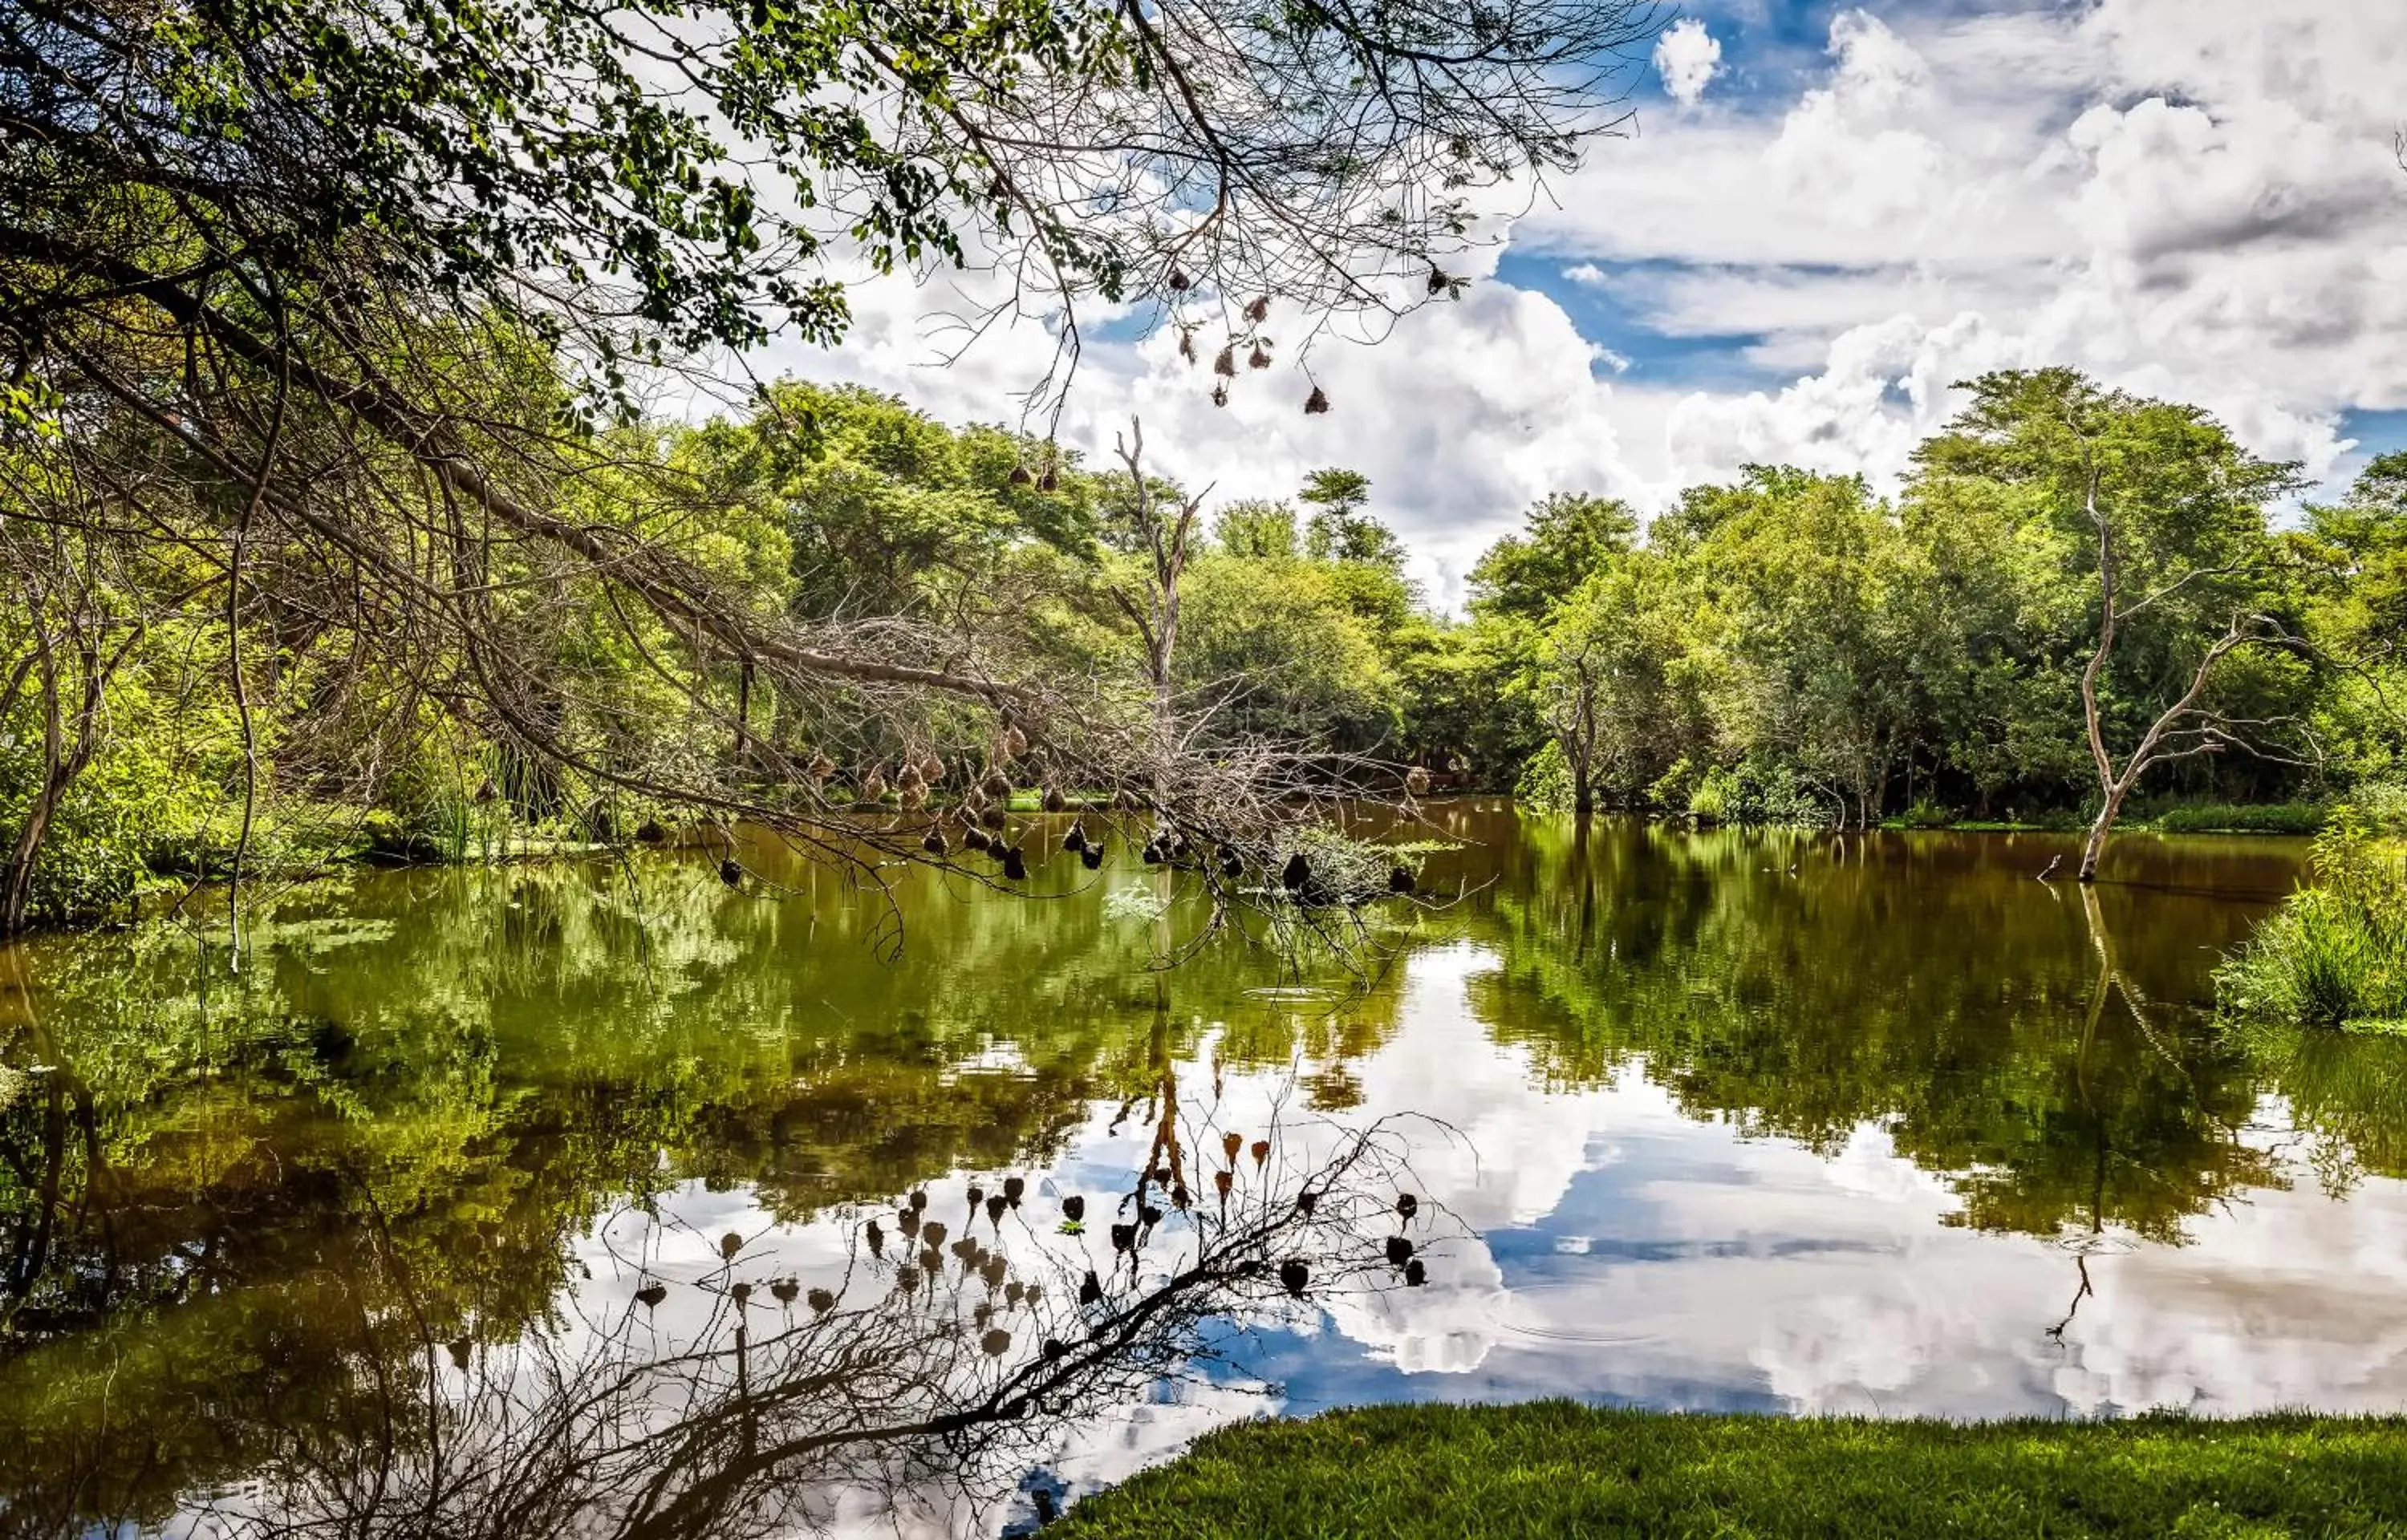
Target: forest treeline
[{"x": 1786, "y": 647}]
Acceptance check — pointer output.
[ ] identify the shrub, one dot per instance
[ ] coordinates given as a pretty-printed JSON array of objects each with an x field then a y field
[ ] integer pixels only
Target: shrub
[
  {"x": 2335, "y": 955},
  {"x": 1927, "y": 813},
  {"x": 1546, "y": 782},
  {"x": 2240, "y": 818},
  {"x": 1756, "y": 793}
]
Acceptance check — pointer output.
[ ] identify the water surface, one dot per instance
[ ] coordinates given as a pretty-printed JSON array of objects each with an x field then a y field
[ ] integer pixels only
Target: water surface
[{"x": 364, "y": 1238}]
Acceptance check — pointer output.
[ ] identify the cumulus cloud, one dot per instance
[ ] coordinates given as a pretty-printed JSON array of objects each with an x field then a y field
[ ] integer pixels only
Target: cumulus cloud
[
  {"x": 2191, "y": 198},
  {"x": 1686, "y": 57},
  {"x": 2195, "y": 199}
]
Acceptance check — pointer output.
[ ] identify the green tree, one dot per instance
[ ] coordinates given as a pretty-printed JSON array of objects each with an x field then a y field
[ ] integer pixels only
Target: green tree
[
  {"x": 2161, "y": 515},
  {"x": 1338, "y": 528},
  {"x": 1565, "y": 536},
  {"x": 1258, "y": 527}
]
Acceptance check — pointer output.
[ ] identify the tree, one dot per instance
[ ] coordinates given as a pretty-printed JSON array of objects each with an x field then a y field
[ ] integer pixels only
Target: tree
[
  {"x": 2352, "y": 560},
  {"x": 372, "y": 281},
  {"x": 519, "y": 158},
  {"x": 1803, "y": 605},
  {"x": 2162, "y": 514},
  {"x": 1565, "y": 536},
  {"x": 1338, "y": 530},
  {"x": 1258, "y": 529},
  {"x": 1605, "y": 675}
]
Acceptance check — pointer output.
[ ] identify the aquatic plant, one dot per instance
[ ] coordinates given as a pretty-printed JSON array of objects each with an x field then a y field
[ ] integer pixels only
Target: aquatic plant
[{"x": 2335, "y": 955}]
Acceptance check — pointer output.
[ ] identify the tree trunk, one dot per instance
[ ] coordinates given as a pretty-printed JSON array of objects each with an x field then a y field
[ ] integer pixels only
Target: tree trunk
[
  {"x": 17, "y": 888},
  {"x": 2096, "y": 848},
  {"x": 17, "y": 878}
]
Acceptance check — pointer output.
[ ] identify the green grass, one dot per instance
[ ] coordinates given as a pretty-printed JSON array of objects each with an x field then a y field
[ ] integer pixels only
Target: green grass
[
  {"x": 1555, "y": 1468},
  {"x": 2237, "y": 818},
  {"x": 2335, "y": 955}
]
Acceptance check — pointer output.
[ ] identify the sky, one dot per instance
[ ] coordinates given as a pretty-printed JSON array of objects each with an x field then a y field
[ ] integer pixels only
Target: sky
[{"x": 1824, "y": 216}]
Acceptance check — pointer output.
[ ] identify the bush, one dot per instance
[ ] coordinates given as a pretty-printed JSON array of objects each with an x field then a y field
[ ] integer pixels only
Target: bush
[
  {"x": 2334, "y": 955},
  {"x": 98, "y": 848},
  {"x": 1758, "y": 793},
  {"x": 1927, "y": 813},
  {"x": 2240, "y": 818},
  {"x": 1546, "y": 782}
]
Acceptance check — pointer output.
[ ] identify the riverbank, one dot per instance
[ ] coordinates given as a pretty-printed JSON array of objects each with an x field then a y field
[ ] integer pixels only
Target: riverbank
[{"x": 1556, "y": 1468}]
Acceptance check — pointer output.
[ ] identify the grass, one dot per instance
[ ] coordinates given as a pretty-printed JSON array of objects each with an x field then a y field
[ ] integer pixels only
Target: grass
[
  {"x": 1556, "y": 1468},
  {"x": 2335, "y": 955}
]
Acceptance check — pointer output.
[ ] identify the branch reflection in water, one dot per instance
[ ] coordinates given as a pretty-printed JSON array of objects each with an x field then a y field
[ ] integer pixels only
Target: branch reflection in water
[{"x": 918, "y": 1379}]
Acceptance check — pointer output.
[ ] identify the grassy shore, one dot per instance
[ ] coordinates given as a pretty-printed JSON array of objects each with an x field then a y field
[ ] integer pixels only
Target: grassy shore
[{"x": 1555, "y": 1468}]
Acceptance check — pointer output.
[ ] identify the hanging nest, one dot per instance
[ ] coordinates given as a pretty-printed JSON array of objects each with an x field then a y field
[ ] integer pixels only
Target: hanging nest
[
  {"x": 822, "y": 767},
  {"x": 1224, "y": 363},
  {"x": 1093, "y": 856},
  {"x": 1221, "y": 395},
  {"x": 1187, "y": 342},
  {"x": 908, "y": 778},
  {"x": 1438, "y": 282},
  {"x": 931, "y": 769},
  {"x": 1259, "y": 359},
  {"x": 1259, "y": 310},
  {"x": 1127, "y": 800},
  {"x": 991, "y": 817},
  {"x": 935, "y": 843},
  {"x": 1054, "y": 802},
  {"x": 1015, "y": 742},
  {"x": 650, "y": 832},
  {"x": 996, "y": 787},
  {"x": 1178, "y": 282},
  {"x": 1020, "y": 477},
  {"x": 1400, "y": 881},
  {"x": 1049, "y": 482},
  {"x": 915, "y": 796},
  {"x": 731, "y": 872},
  {"x": 1074, "y": 839},
  {"x": 487, "y": 792},
  {"x": 1015, "y": 866},
  {"x": 1317, "y": 403},
  {"x": 873, "y": 789},
  {"x": 974, "y": 837},
  {"x": 1416, "y": 781}
]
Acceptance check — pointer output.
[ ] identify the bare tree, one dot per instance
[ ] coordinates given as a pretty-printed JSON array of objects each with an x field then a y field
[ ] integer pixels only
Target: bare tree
[{"x": 2188, "y": 727}]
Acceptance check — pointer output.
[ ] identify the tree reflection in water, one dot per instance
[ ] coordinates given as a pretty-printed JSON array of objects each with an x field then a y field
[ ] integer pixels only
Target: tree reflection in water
[
  {"x": 912, "y": 1381},
  {"x": 313, "y": 1246}
]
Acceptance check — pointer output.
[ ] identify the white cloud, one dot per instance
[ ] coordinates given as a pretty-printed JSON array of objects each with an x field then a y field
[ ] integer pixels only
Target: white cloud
[
  {"x": 2192, "y": 198},
  {"x": 1686, "y": 57}
]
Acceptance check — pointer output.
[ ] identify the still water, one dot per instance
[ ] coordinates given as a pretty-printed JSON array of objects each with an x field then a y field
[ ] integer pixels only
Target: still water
[{"x": 540, "y": 1200}]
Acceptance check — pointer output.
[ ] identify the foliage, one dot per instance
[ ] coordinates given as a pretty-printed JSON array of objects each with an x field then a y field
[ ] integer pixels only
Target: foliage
[
  {"x": 2335, "y": 955},
  {"x": 1937, "y": 652},
  {"x": 1555, "y": 1468},
  {"x": 524, "y": 160},
  {"x": 2189, "y": 817},
  {"x": 327, "y": 328}
]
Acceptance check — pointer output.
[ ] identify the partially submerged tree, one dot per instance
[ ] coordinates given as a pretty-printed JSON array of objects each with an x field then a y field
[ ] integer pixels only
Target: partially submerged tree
[{"x": 2162, "y": 513}]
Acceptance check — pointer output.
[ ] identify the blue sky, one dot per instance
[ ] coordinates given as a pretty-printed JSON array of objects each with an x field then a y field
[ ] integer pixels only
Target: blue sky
[{"x": 1826, "y": 214}]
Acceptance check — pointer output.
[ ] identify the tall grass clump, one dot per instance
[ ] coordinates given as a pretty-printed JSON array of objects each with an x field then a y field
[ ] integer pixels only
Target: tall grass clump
[{"x": 2335, "y": 955}]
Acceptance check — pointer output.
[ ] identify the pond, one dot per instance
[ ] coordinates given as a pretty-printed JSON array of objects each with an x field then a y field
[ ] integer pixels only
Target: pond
[{"x": 542, "y": 1200}]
